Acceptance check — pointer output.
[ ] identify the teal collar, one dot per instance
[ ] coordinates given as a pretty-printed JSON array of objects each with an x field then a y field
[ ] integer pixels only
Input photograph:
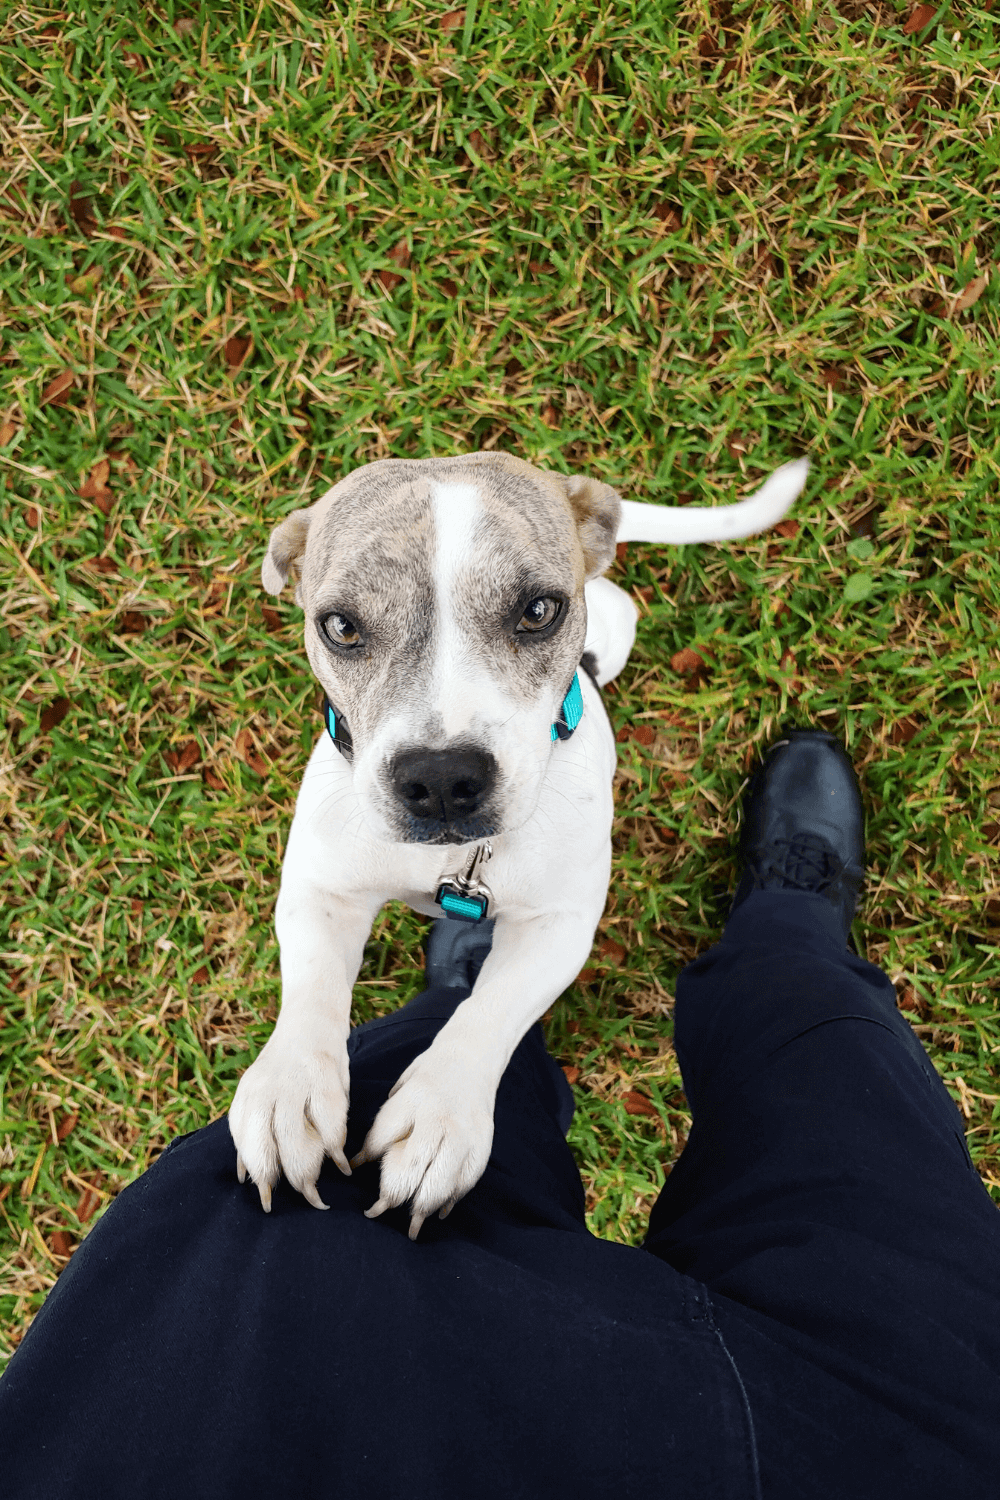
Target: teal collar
[{"x": 570, "y": 714}]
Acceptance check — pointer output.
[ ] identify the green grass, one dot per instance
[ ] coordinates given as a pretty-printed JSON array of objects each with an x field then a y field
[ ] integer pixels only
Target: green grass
[{"x": 668, "y": 247}]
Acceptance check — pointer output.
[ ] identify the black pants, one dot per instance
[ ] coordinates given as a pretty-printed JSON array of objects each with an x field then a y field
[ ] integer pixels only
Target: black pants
[{"x": 816, "y": 1311}]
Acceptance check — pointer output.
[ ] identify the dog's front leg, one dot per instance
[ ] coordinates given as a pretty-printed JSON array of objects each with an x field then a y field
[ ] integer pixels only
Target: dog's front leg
[
  {"x": 290, "y": 1109},
  {"x": 435, "y": 1130}
]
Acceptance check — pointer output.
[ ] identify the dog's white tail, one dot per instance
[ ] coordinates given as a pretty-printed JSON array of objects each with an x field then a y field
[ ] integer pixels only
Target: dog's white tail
[{"x": 717, "y": 523}]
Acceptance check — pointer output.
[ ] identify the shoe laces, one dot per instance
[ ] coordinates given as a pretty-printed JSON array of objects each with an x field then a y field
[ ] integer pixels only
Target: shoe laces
[{"x": 803, "y": 863}]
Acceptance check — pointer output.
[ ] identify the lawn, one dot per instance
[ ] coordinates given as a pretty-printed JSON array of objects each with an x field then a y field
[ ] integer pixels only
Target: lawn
[{"x": 247, "y": 248}]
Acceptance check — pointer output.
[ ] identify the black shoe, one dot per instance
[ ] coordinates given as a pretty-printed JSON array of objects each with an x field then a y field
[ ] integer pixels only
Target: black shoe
[
  {"x": 456, "y": 951},
  {"x": 803, "y": 824}
]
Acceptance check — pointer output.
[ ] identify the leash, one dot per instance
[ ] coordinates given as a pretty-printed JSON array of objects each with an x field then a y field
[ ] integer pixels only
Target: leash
[{"x": 465, "y": 896}]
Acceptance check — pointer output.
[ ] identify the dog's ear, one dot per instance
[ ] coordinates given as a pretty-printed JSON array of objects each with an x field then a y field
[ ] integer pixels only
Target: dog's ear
[
  {"x": 597, "y": 508},
  {"x": 287, "y": 544}
]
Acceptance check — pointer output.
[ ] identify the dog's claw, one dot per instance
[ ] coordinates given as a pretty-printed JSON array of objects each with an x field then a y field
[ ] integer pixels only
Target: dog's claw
[
  {"x": 311, "y": 1195},
  {"x": 377, "y": 1208},
  {"x": 358, "y": 1161},
  {"x": 241, "y": 1171},
  {"x": 342, "y": 1162},
  {"x": 264, "y": 1189},
  {"x": 416, "y": 1223},
  {"x": 447, "y": 1209}
]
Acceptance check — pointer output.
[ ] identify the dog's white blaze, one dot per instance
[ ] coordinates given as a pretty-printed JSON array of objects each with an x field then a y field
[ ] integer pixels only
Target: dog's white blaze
[{"x": 456, "y": 694}]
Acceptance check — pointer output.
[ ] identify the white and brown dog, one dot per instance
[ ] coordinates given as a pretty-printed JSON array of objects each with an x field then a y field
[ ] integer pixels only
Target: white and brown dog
[{"x": 448, "y": 607}]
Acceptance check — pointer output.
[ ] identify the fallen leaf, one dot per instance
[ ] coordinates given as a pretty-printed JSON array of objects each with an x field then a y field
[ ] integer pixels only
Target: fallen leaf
[
  {"x": 183, "y": 757},
  {"x": 272, "y": 619},
  {"x": 970, "y": 294},
  {"x": 669, "y": 215},
  {"x": 449, "y": 287},
  {"x": 400, "y": 254},
  {"x": 66, "y": 1124},
  {"x": 643, "y": 734},
  {"x": 103, "y": 564},
  {"x": 201, "y": 976},
  {"x": 56, "y": 393},
  {"x": 735, "y": 445},
  {"x": 638, "y": 1104},
  {"x": 540, "y": 267},
  {"x": 708, "y": 47},
  {"x": 132, "y": 60},
  {"x": 918, "y": 18},
  {"x": 32, "y": 515},
  {"x": 572, "y": 1073},
  {"x": 62, "y": 1243},
  {"x": 133, "y": 623},
  {"x": 247, "y": 750},
  {"x": 200, "y": 150},
  {"x": 787, "y": 527},
  {"x": 832, "y": 376},
  {"x": 585, "y": 976},
  {"x": 452, "y": 20},
  {"x": 81, "y": 210},
  {"x": 8, "y": 432},
  {"x": 903, "y": 730},
  {"x": 54, "y": 714},
  {"x": 608, "y": 948},
  {"x": 213, "y": 780},
  {"x": 621, "y": 551},
  {"x": 688, "y": 662},
  {"x": 481, "y": 145},
  {"x": 136, "y": 906},
  {"x": 88, "y": 1204},
  {"x": 550, "y": 416},
  {"x": 237, "y": 349}
]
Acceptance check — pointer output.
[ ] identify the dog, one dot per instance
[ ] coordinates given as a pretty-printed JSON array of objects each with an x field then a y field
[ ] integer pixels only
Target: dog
[{"x": 457, "y": 619}]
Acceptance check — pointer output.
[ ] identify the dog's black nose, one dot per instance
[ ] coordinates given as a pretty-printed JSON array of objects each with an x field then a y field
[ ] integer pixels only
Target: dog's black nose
[{"x": 445, "y": 785}]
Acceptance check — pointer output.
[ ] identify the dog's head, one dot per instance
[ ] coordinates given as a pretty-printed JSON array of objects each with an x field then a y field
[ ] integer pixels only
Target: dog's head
[{"x": 445, "y": 617}]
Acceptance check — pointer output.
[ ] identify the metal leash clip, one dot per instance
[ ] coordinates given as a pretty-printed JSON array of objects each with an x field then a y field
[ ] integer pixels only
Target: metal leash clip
[{"x": 464, "y": 896}]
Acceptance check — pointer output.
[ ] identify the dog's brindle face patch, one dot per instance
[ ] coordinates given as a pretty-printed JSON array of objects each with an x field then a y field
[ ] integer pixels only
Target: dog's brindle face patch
[{"x": 434, "y": 562}]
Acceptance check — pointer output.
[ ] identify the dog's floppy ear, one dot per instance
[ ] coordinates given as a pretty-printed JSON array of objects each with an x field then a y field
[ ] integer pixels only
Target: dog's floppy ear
[
  {"x": 287, "y": 544},
  {"x": 597, "y": 508}
]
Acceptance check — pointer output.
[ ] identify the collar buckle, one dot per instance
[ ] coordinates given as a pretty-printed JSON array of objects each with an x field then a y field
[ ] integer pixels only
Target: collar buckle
[{"x": 465, "y": 897}]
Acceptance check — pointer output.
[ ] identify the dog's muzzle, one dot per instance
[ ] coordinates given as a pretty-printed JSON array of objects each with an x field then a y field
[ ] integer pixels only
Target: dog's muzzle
[{"x": 447, "y": 787}]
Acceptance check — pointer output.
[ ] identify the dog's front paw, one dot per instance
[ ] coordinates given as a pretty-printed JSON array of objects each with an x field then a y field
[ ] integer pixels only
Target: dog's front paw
[
  {"x": 434, "y": 1135},
  {"x": 290, "y": 1111}
]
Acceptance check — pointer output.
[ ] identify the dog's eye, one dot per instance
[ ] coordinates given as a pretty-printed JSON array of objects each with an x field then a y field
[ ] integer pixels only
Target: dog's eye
[
  {"x": 341, "y": 631},
  {"x": 539, "y": 613}
]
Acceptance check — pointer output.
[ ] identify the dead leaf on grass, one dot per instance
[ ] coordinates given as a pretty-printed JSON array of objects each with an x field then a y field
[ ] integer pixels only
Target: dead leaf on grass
[
  {"x": 609, "y": 949},
  {"x": 62, "y": 1243},
  {"x": 452, "y": 20},
  {"x": 970, "y": 293},
  {"x": 132, "y": 622},
  {"x": 903, "y": 731},
  {"x": 213, "y": 780},
  {"x": 88, "y": 1204},
  {"x": 8, "y": 432},
  {"x": 400, "y": 254},
  {"x": 183, "y": 757},
  {"x": 919, "y": 17},
  {"x": 66, "y": 1124},
  {"x": 237, "y": 351},
  {"x": 56, "y": 393},
  {"x": 638, "y": 1104},
  {"x": 571, "y": 1071},
  {"x": 54, "y": 714},
  {"x": 81, "y": 210}
]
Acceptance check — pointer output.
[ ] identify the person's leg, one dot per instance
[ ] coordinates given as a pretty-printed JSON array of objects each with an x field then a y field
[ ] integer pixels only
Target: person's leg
[
  {"x": 827, "y": 1200},
  {"x": 198, "y": 1347}
]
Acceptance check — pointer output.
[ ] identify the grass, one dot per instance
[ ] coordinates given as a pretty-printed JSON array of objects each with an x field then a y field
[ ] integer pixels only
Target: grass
[{"x": 246, "y": 249}]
